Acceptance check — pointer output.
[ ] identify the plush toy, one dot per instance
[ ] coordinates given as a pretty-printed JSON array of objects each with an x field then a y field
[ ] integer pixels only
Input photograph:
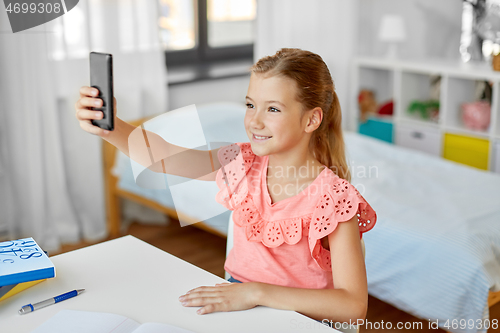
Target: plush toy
[
  {"x": 368, "y": 105},
  {"x": 476, "y": 115},
  {"x": 387, "y": 108},
  {"x": 428, "y": 110}
]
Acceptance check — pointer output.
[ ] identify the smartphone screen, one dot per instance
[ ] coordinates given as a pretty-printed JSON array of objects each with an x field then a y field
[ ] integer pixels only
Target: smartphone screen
[{"x": 101, "y": 77}]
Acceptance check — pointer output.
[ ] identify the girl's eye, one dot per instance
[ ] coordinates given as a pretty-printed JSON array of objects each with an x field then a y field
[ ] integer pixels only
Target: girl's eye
[
  {"x": 249, "y": 105},
  {"x": 273, "y": 109}
]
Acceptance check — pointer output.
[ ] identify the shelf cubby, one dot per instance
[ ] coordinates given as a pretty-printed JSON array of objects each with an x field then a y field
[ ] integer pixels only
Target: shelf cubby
[
  {"x": 460, "y": 91},
  {"x": 495, "y": 107},
  {"x": 495, "y": 167},
  {"x": 417, "y": 87},
  {"x": 380, "y": 81}
]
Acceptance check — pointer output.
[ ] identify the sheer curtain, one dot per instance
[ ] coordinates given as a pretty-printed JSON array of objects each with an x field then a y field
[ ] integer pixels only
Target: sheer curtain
[
  {"x": 51, "y": 184},
  {"x": 326, "y": 27}
]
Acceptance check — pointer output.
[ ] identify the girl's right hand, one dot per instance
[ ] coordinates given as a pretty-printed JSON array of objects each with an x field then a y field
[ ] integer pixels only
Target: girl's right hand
[{"x": 85, "y": 114}]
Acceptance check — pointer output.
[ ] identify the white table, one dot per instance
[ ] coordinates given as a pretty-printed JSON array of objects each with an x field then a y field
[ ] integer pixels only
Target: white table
[{"x": 129, "y": 277}]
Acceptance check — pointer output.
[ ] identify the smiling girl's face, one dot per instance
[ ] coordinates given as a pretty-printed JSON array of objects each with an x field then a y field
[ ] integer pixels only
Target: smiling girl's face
[{"x": 274, "y": 120}]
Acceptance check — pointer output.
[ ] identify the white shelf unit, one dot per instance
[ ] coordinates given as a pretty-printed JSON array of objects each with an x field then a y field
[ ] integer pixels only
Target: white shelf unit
[
  {"x": 496, "y": 156},
  {"x": 405, "y": 80}
]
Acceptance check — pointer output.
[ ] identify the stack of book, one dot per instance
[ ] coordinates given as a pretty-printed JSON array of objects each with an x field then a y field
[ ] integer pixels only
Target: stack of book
[{"x": 22, "y": 264}]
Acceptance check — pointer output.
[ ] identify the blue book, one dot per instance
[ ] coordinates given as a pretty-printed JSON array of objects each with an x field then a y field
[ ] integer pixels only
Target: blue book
[{"x": 23, "y": 260}]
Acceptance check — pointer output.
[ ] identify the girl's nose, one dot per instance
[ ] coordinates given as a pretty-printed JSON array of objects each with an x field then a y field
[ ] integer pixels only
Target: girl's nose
[{"x": 256, "y": 121}]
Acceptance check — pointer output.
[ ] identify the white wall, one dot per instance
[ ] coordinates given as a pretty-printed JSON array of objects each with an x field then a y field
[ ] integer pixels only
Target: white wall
[
  {"x": 325, "y": 27},
  {"x": 220, "y": 90},
  {"x": 338, "y": 31},
  {"x": 433, "y": 27}
]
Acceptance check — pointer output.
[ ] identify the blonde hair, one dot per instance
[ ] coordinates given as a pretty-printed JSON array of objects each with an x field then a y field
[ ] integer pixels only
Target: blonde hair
[{"x": 316, "y": 89}]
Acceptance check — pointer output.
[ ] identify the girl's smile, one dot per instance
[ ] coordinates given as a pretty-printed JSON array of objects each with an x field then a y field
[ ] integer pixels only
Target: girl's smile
[{"x": 257, "y": 138}]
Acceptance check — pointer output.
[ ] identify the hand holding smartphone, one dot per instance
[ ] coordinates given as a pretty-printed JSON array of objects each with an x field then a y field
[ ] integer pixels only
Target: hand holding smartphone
[{"x": 101, "y": 78}]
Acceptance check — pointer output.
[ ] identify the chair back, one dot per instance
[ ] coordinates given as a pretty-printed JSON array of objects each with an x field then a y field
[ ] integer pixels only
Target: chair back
[{"x": 229, "y": 242}]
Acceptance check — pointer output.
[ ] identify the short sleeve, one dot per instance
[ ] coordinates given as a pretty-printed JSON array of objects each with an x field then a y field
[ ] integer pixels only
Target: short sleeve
[
  {"x": 338, "y": 204},
  {"x": 236, "y": 160}
]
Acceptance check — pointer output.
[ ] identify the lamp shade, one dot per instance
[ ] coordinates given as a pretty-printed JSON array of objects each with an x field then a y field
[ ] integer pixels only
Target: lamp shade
[{"x": 392, "y": 29}]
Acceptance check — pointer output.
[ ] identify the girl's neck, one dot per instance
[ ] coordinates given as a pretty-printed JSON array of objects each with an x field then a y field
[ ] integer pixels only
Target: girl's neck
[{"x": 290, "y": 165}]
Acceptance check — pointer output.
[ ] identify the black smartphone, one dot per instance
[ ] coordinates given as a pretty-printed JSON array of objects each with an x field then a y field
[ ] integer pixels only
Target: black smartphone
[{"x": 101, "y": 77}]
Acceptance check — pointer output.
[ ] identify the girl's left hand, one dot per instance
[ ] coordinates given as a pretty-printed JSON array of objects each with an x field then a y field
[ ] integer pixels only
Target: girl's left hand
[{"x": 222, "y": 297}]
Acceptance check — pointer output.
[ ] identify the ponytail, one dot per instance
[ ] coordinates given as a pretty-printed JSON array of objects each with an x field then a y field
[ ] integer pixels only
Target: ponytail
[{"x": 327, "y": 141}]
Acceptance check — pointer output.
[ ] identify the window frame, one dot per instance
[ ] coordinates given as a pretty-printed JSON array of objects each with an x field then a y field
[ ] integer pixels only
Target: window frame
[{"x": 203, "y": 53}]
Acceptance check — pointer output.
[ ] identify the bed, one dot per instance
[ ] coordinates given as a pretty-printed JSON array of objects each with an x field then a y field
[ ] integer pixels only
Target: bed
[
  {"x": 438, "y": 229},
  {"x": 435, "y": 252}
]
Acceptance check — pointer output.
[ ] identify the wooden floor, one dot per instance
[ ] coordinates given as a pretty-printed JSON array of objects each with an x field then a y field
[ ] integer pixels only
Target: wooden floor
[{"x": 209, "y": 251}]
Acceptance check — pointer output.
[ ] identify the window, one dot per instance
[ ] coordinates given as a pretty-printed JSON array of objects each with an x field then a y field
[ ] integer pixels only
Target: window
[
  {"x": 86, "y": 28},
  {"x": 204, "y": 31}
]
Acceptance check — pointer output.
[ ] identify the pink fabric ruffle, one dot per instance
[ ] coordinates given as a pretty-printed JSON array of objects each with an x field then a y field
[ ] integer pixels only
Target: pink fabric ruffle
[
  {"x": 339, "y": 204},
  {"x": 231, "y": 177}
]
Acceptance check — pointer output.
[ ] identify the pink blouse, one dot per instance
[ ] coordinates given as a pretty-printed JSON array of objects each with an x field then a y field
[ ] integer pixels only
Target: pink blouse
[{"x": 280, "y": 243}]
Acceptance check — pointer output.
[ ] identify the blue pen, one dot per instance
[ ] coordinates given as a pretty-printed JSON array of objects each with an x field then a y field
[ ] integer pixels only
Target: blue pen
[{"x": 32, "y": 307}]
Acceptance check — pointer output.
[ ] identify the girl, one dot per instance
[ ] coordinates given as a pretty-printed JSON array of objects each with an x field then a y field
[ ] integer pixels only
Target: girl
[{"x": 298, "y": 220}]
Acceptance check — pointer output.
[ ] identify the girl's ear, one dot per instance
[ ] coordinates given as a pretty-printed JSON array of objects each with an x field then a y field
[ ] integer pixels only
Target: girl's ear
[{"x": 314, "y": 118}]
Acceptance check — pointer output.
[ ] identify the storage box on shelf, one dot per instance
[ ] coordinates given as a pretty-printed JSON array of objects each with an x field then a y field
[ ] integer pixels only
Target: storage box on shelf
[
  {"x": 377, "y": 127},
  {"x": 427, "y": 84},
  {"x": 423, "y": 138},
  {"x": 466, "y": 150}
]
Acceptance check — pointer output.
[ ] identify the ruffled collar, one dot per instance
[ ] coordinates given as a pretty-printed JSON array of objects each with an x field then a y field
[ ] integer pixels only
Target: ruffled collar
[{"x": 251, "y": 213}]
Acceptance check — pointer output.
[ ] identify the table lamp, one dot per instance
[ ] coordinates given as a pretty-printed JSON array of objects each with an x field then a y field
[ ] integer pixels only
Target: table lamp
[{"x": 392, "y": 30}]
